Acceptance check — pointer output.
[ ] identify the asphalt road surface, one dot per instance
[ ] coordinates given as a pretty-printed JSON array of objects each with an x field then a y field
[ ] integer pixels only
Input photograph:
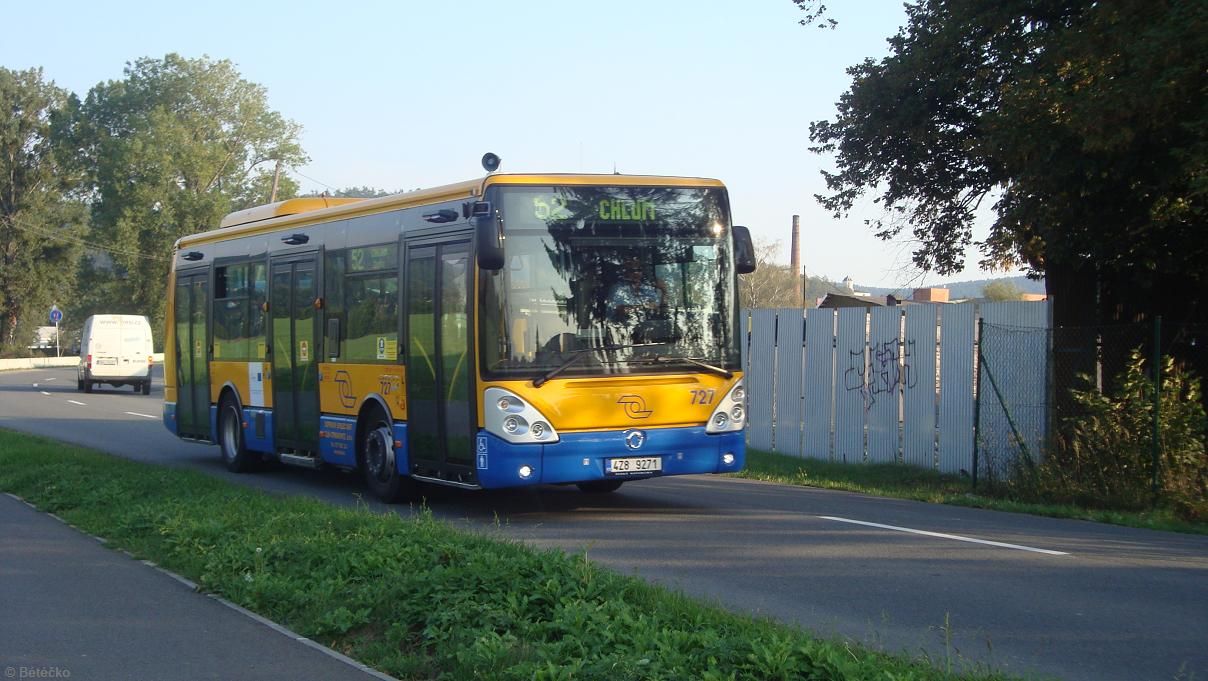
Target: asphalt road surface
[{"x": 1016, "y": 593}]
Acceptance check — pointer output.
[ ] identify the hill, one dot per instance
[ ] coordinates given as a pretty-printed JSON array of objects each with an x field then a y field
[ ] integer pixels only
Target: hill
[{"x": 963, "y": 289}]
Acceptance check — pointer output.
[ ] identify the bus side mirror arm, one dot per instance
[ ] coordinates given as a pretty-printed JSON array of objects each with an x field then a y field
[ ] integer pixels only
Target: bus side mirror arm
[
  {"x": 744, "y": 250},
  {"x": 488, "y": 241}
]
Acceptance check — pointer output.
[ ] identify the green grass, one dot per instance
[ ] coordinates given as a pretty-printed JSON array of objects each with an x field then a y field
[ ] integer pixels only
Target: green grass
[
  {"x": 414, "y": 597},
  {"x": 910, "y": 482}
]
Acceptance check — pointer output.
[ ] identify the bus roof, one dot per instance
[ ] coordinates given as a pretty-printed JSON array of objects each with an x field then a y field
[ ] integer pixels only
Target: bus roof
[
  {"x": 299, "y": 212},
  {"x": 282, "y": 208}
]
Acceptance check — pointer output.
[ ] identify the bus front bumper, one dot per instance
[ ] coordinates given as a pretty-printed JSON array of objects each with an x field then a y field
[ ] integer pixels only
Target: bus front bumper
[{"x": 583, "y": 457}]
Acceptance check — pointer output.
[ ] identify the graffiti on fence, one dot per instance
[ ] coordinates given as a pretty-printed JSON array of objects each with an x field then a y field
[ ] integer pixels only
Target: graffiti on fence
[{"x": 888, "y": 366}]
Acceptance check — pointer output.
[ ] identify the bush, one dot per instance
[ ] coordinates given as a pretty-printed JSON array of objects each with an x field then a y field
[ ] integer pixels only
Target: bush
[{"x": 1104, "y": 457}]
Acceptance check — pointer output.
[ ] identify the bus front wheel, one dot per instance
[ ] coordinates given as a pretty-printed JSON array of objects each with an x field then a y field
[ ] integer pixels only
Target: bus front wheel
[{"x": 378, "y": 462}]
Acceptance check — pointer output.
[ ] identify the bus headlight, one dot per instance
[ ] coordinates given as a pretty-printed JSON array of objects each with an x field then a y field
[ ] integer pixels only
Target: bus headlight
[
  {"x": 514, "y": 420},
  {"x": 730, "y": 414},
  {"x": 513, "y": 425}
]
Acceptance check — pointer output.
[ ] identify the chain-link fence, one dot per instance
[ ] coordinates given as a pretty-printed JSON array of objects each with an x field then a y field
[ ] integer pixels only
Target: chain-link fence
[{"x": 1103, "y": 415}]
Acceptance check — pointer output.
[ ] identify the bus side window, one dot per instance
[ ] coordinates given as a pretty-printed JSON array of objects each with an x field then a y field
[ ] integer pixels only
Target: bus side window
[{"x": 257, "y": 299}]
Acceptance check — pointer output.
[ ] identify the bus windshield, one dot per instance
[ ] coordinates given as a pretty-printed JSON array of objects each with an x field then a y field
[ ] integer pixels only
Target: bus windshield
[{"x": 619, "y": 279}]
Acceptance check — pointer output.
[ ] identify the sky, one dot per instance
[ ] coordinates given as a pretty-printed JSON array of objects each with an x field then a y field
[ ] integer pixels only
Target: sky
[{"x": 405, "y": 94}]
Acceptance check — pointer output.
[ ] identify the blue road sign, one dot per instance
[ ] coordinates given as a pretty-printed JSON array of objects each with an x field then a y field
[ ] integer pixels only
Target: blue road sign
[{"x": 56, "y": 315}]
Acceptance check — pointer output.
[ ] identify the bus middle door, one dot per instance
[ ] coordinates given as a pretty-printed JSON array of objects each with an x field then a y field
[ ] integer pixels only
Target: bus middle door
[{"x": 294, "y": 352}]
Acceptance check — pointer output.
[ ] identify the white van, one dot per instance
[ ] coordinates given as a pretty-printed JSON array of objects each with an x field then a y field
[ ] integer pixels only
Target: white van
[{"x": 115, "y": 349}]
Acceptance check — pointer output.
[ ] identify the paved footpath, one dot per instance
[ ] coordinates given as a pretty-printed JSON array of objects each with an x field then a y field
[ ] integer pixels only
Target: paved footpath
[{"x": 71, "y": 608}]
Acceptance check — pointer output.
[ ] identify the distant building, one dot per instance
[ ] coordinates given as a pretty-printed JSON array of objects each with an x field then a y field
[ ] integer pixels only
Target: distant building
[
  {"x": 1033, "y": 297},
  {"x": 930, "y": 295}
]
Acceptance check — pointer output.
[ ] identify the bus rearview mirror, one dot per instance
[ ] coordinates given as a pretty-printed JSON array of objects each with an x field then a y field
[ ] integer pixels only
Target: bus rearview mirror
[
  {"x": 488, "y": 238},
  {"x": 744, "y": 250}
]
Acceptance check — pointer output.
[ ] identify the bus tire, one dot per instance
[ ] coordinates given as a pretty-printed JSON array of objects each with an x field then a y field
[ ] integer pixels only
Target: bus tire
[
  {"x": 234, "y": 450},
  {"x": 599, "y": 486},
  {"x": 375, "y": 451}
]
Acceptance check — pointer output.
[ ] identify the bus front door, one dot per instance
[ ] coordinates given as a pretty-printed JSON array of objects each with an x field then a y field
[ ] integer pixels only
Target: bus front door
[
  {"x": 293, "y": 292},
  {"x": 440, "y": 369},
  {"x": 192, "y": 355}
]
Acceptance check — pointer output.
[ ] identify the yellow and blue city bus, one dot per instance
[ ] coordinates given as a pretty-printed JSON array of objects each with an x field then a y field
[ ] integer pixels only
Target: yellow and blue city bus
[{"x": 511, "y": 330}]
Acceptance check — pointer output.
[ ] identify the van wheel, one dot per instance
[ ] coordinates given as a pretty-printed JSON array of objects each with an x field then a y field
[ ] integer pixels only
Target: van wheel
[
  {"x": 79, "y": 385},
  {"x": 600, "y": 486},
  {"x": 230, "y": 439},
  {"x": 146, "y": 387},
  {"x": 375, "y": 450},
  {"x": 87, "y": 386}
]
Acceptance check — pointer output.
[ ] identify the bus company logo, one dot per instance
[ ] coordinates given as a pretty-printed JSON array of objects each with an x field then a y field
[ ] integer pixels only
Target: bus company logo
[
  {"x": 634, "y": 439},
  {"x": 635, "y": 406},
  {"x": 344, "y": 383}
]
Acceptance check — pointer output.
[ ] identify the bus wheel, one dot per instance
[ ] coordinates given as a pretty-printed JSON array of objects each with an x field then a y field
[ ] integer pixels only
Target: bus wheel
[
  {"x": 230, "y": 438},
  {"x": 600, "y": 486},
  {"x": 378, "y": 463}
]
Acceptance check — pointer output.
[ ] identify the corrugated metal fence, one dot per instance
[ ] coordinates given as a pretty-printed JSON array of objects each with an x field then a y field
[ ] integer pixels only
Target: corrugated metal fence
[{"x": 885, "y": 384}]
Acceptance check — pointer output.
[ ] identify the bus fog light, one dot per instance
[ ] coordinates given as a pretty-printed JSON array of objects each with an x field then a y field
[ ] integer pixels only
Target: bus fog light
[
  {"x": 720, "y": 419},
  {"x": 728, "y": 458},
  {"x": 526, "y": 472},
  {"x": 736, "y": 413},
  {"x": 738, "y": 394}
]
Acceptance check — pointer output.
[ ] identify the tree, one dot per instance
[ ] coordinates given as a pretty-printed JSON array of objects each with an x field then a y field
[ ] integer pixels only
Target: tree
[
  {"x": 175, "y": 146},
  {"x": 42, "y": 222},
  {"x": 1084, "y": 122},
  {"x": 1001, "y": 290},
  {"x": 777, "y": 285}
]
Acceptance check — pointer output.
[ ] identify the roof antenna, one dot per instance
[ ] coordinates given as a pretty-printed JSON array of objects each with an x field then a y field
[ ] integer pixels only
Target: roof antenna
[{"x": 614, "y": 168}]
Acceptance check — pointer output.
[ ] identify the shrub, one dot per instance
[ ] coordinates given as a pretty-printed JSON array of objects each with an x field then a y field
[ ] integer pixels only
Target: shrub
[{"x": 1104, "y": 456}]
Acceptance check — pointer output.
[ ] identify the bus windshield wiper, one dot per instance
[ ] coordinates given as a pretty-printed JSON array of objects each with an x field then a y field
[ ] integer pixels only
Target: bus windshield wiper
[
  {"x": 577, "y": 354},
  {"x": 663, "y": 359}
]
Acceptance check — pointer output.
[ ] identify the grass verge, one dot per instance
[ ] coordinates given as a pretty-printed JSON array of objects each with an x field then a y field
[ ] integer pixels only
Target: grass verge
[
  {"x": 910, "y": 482},
  {"x": 413, "y": 597}
]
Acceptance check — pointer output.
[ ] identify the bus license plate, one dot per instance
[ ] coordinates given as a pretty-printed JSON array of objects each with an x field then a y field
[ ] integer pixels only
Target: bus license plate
[{"x": 630, "y": 466}]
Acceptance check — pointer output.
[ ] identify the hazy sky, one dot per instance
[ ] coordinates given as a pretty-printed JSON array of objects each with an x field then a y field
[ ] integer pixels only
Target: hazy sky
[{"x": 406, "y": 94}]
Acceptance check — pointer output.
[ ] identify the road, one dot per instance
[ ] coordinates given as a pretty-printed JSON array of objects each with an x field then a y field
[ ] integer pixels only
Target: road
[{"x": 1016, "y": 593}]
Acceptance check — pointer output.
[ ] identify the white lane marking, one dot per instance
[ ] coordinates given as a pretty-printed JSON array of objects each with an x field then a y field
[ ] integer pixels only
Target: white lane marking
[
  {"x": 52, "y": 378},
  {"x": 44, "y": 392},
  {"x": 79, "y": 403},
  {"x": 941, "y": 535},
  {"x": 35, "y": 385},
  {"x": 146, "y": 416}
]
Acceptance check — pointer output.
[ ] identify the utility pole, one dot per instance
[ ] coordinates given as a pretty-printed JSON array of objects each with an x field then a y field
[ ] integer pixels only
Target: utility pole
[{"x": 276, "y": 182}]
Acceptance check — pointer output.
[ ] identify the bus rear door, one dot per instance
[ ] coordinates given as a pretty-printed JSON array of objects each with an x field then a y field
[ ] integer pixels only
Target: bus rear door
[{"x": 192, "y": 354}]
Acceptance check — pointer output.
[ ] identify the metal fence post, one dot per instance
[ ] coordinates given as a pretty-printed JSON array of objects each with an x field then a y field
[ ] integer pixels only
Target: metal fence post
[
  {"x": 1157, "y": 405},
  {"x": 977, "y": 397}
]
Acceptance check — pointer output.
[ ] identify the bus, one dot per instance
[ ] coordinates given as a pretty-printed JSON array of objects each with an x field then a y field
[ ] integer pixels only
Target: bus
[{"x": 517, "y": 329}]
